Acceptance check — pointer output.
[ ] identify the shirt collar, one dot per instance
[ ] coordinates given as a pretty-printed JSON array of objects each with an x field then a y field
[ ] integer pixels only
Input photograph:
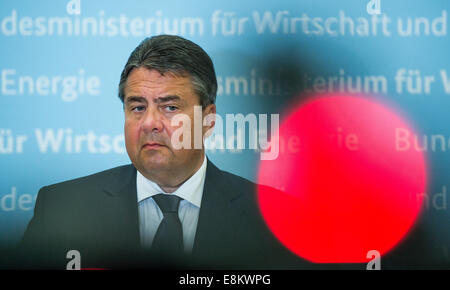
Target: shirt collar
[{"x": 191, "y": 190}]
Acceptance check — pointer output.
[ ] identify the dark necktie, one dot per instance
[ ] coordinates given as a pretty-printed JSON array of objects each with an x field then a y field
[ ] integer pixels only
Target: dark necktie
[{"x": 168, "y": 239}]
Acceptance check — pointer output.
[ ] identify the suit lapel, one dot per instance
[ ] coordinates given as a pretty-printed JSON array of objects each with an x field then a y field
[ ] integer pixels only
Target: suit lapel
[
  {"x": 214, "y": 228},
  {"x": 121, "y": 203}
]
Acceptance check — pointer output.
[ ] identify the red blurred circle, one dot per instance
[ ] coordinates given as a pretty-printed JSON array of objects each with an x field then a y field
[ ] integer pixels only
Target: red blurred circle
[{"x": 347, "y": 180}]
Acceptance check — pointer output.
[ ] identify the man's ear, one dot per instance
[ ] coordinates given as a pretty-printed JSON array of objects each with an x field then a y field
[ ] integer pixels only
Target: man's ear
[{"x": 209, "y": 120}]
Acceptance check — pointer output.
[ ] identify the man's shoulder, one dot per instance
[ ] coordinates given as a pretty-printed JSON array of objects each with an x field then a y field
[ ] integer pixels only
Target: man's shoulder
[
  {"x": 240, "y": 191},
  {"x": 235, "y": 180},
  {"x": 93, "y": 181},
  {"x": 231, "y": 182}
]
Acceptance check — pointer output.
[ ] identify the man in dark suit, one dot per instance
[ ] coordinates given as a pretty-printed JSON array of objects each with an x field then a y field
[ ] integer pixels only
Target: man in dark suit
[
  {"x": 171, "y": 207},
  {"x": 98, "y": 216}
]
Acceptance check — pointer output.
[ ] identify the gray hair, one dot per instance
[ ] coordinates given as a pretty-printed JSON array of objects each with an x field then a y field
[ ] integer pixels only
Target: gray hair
[{"x": 178, "y": 56}]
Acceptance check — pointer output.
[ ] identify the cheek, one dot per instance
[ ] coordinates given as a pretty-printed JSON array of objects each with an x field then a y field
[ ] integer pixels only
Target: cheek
[
  {"x": 169, "y": 129},
  {"x": 179, "y": 133},
  {"x": 131, "y": 133},
  {"x": 167, "y": 135}
]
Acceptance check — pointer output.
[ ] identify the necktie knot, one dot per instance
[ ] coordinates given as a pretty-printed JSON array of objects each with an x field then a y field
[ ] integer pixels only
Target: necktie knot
[{"x": 168, "y": 203}]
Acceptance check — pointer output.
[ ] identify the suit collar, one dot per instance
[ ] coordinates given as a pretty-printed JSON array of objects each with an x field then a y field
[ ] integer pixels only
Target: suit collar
[
  {"x": 217, "y": 184},
  {"x": 216, "y": 217},
  {"x": 122, "y": 181}
]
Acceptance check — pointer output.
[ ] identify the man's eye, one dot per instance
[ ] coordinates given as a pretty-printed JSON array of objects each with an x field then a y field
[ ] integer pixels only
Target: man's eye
[
  {"x": 170, "y": 108},
  {"x": 138, "y": 109}
]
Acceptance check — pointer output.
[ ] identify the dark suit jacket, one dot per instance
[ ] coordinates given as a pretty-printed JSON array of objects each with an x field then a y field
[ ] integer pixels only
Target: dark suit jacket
[{"x": 98, "y": 216}]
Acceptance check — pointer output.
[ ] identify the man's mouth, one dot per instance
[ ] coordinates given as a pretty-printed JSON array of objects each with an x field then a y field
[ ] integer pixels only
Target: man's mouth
[{"x": 152, "y": 145}]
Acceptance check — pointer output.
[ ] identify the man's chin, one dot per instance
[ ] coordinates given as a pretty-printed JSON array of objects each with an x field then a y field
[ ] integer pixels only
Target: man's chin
[{"x": 154, "y": 164}]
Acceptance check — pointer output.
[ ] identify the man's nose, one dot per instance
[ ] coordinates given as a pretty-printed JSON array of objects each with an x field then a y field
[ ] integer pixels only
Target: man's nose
[{"x": 152, "y": 121}]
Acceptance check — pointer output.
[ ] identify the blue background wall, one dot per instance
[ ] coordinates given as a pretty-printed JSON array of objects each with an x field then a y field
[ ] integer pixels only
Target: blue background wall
[{"x": 256, "y": 51}]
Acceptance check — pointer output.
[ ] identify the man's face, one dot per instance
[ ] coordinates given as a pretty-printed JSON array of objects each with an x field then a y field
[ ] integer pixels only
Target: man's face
[{"x": 151, "y": 101}]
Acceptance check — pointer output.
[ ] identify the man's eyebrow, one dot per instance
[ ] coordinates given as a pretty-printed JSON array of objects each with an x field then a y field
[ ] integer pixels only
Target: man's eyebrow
[
  {"x": 167, "y": 99},
  {"x": 157, "y": 100},
  {"x": 135, "y": 99}
]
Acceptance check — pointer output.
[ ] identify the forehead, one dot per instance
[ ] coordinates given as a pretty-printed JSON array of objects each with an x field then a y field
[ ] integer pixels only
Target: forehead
[{"x": 151, "y": 83}]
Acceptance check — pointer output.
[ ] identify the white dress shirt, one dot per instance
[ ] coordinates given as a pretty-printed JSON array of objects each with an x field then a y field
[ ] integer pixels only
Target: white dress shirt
[{"x": 150, "y": 215}]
